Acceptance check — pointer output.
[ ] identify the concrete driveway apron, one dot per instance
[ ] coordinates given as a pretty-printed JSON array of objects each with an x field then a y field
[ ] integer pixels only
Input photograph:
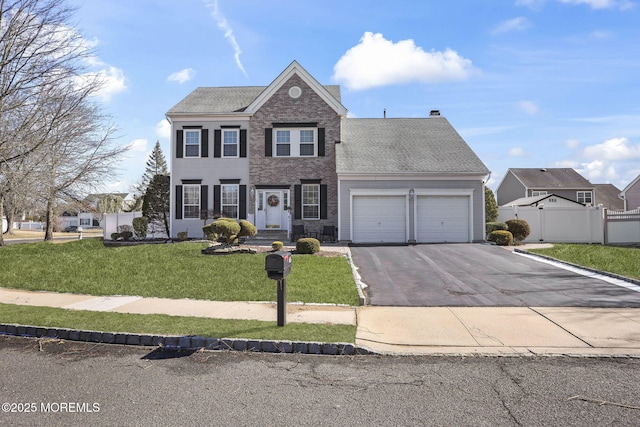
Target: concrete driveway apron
[{"x": 477, "y": 275}]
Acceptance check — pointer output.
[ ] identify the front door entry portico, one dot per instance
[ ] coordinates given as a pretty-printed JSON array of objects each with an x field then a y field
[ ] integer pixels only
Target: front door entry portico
[{"x": 273, "y": 209}]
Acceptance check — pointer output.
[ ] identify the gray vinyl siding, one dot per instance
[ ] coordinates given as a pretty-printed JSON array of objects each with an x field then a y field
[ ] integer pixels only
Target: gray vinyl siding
[
  {"x": 510, "y": 189},
  {"x": 477, "y": 199},
  {"x": 208, "y": 169}
]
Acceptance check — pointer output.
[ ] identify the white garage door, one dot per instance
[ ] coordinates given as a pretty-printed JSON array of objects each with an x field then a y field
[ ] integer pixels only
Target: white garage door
[
  {"x": 442, "y": 219},
  {"x": 379, "y": 219}
]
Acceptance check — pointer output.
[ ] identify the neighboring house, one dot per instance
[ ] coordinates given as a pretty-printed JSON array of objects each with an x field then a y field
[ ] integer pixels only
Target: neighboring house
[
  {"x": 608, "y": 196},
  {"x": 631, "y": 195},
  {"x": 274, "y": 155},
  {"x": 543, "y": 201},
  {"x": 528, "y": 182},
  {"x": 408, "y": 180}
]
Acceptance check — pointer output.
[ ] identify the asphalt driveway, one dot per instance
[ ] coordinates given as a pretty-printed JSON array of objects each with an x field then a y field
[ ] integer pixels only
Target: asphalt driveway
[{"x": 477, "y": 275}]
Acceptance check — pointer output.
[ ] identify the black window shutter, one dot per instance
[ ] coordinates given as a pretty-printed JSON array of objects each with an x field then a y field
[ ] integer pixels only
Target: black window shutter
[
  {"x": 323, "y": 201},
  {"x": 216, "y": 199},
  {"x": 268, "y": 145},
  {"x": 217, "y": 143},
  {"x": 243, "y": 202},
  {"x": 178, "y": 202},
  {"x": 204, "y": 200},
  {"x": 320, "y": 142},
  {"x": 204, "y": 143},
  {"x": 179, "y": 144},
  {"x": 243, "y": 143},
  {"x": 297, "y": 195}
]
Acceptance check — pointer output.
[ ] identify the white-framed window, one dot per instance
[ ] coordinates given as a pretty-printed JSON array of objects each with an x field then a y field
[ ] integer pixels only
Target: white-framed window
[
  {"x": 192, "y": 142},
  {"x": 230, "y": 199},
  {"x": 85, "y": 221},
  {"x": 230, "y": 138},
  {"x": 296, "y": 142},
  {"x": 191, "y": 201},
  {"x": 310, "y": 201},
  {"x": 283, "y": 143},
  {"x": 585, "y": 197},
  {"x": 538, "y": 193}
]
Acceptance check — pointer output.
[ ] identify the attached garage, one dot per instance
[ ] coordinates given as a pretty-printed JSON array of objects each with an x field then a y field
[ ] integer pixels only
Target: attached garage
[
  {"x": 379, "y": 219},
  {"x": 442, "y": 219}
]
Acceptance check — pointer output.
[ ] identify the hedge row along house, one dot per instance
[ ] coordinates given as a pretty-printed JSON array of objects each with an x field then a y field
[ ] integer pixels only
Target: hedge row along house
[{"x": 287, "y": 155}]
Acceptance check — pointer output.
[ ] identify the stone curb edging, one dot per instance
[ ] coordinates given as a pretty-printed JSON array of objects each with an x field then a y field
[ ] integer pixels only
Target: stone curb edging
[
  {"x": 185, "y": 342},
  {"x": 592, "y": 270}
]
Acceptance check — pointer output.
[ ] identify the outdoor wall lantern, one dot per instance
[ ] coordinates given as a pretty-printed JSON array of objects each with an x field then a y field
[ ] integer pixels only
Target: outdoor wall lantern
[{"x": 412, "y": 193}]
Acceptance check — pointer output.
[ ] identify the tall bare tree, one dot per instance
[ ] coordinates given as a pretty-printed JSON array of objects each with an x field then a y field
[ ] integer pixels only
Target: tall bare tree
[{"x": 45, "y": 89}]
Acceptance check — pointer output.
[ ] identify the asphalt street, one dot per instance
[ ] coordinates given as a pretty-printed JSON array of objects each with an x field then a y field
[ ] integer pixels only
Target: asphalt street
[
  {"x": 47, "y": 382},
  {"x": 477, "y": 275}
]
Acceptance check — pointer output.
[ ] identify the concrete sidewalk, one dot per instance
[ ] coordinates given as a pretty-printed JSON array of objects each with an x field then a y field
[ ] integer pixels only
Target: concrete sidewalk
[{"x": 405, "y": 330}]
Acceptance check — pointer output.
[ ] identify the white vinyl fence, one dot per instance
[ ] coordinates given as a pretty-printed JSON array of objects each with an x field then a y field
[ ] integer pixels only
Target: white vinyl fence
[
  {"x": 580, "y": 224},
  {"x": 622, "y": 227}
]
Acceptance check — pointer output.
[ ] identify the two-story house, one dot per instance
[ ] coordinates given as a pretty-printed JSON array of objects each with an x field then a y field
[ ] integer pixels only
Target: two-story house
[
  {"x": 286, "y": 154},
  {"x": 529, "y": 182},
  {"x": 260, "y": 153}
]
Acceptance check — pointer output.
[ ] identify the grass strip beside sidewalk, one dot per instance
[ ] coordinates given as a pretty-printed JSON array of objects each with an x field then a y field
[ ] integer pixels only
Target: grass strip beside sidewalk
[{"x": 160, "y": 324}]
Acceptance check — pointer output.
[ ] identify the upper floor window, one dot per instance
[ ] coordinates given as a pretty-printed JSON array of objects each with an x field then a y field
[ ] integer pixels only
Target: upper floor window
[
  {"x": 538, "y": 193},
  {"x": 585, "y": 197},
  {"x": 191, "y": 201},
  {"x": 230, "y": 142},
  {"x": 296, "y": 142},
  {"x": 192, "y": 143}
]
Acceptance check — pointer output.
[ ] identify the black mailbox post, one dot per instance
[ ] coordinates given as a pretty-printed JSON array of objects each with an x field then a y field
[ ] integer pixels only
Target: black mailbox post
[{"x": 278, "y": 266}]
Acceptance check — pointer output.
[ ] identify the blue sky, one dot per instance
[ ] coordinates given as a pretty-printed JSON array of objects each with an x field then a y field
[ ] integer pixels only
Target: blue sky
[{"x": 527, "y": 83}]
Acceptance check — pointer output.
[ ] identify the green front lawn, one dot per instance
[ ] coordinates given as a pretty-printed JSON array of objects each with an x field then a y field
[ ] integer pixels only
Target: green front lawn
[
  {"x": 618, "y": 260},
  {"x": 175, "y": 270}
]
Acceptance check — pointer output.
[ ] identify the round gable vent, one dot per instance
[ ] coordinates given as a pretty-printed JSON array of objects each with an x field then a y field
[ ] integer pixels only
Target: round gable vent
[{"x": 295, "y": 92}]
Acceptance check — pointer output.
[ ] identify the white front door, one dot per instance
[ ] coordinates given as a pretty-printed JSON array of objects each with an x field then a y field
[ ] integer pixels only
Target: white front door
[{"x": 273, "y": 209}]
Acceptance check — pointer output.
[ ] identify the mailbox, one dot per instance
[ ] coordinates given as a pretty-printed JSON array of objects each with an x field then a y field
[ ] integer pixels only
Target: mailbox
[{"x": 278, "y": 265}]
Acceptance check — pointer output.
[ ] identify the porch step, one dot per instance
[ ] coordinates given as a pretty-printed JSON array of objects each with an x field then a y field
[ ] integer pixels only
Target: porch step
[{"x": 270, "y": 236}]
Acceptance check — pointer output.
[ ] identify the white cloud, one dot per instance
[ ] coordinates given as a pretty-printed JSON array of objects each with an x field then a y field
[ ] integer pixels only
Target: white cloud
[
  {"x": 113, "y": 82},
  {"x": 516, "y": 24},
  {"x": 138, "y": 145},
  {"x": 518, "y": 152},
  {"x": 613, "y": 149},
  {"x": 228, "y": 32},
  {"x": 572, "y": 143},
  {"x": 597, "y": 171},
  {"x": 163, "y": 129},
  {"x": 182, "y": 76},
  {"x": 594, "y": 4},
  {"x": 528, "y": 107},
  {"x": 376, "y": 61}
]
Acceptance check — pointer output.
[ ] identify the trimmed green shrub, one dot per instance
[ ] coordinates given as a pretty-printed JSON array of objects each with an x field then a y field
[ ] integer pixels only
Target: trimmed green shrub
[
  {"x": 223, "y": 230},
  {"x": 247, "y": 229},
  {"x": 183, "y": 235},
  {"x": 501, "y": 237},
  {"x": 115, "y": 236},
  {"x": 126, "y": 235},
  {"x": 277, "y": 245},
  {"x": 308, "y": 245},
  {"x": 519, "y": 228},
  {"x": 140, "y": 226},
  {"x": 493, "y": 226}
]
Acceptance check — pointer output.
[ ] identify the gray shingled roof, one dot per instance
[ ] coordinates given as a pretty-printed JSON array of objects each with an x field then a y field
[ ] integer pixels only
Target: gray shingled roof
[
  {"x": 425, "y": 145},
  {"x": 216, "y": 100},
  {"x": 542, "y": 178}
]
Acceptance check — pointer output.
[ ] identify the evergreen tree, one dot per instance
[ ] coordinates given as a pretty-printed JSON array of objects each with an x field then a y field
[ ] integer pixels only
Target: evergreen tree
[
  {"x": 156, "y": 165},
  {"x": 490, "y": 205},
  {"x": 156, "y": 202}
]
